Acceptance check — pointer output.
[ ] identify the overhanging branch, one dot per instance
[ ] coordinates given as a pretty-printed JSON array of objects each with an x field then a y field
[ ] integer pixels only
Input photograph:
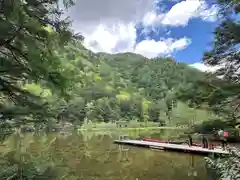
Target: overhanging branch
[{"x": 2, "y": 42}]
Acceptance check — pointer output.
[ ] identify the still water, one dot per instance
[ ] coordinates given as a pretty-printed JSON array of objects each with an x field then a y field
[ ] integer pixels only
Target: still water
[{"x": 93, "y": 156}]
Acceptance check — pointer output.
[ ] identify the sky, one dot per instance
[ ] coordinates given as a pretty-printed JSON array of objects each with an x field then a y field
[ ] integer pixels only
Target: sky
[{"x": 182, "y": 29}]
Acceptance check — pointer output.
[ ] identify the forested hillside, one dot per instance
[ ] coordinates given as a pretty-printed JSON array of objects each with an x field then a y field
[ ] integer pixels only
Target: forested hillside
[{"x": 120, "y": 87}]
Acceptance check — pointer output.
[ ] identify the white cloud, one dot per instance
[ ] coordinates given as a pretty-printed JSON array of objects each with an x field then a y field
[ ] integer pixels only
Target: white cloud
[
  {"x": 152, "y": 18},
  {"x": 209, "y": 14},
  {"x": 180, "y": 44},
  {"x": 92, "y": 11},
  {"x": 181, "y": 13},
  {"x": 118, "y": 38},
  {"x": 152, "y": 48},
  {"x": 205, "y": 68},
  {"x": 110, "y": 26}
]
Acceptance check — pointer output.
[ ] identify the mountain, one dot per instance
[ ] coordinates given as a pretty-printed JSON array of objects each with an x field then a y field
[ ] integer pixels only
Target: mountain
[
  {"x": 128, "y": 86},
  {"x": 124, "y": 86}
]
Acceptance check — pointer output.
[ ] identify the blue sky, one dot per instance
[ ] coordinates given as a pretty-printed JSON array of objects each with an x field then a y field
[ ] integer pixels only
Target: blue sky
[
  {"x": 182, "y": 29},
  {"x": 199, "y": 31},
  {"x": 201, "y": 34}
]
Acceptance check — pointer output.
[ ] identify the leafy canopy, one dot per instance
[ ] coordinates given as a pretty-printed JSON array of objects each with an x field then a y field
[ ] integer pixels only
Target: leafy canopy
[{"x": 31, "y": 31}]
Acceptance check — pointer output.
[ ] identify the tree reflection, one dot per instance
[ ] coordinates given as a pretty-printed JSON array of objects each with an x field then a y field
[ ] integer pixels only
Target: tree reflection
[{"x": 93, "y": 155}]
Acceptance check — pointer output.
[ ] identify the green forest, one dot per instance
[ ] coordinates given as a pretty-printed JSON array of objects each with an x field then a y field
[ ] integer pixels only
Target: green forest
[{"x": 48, "y": 76}]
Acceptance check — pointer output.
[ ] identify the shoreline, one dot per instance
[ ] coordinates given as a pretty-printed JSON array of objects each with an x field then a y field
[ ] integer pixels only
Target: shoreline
[{"x": 131, "y": 128}]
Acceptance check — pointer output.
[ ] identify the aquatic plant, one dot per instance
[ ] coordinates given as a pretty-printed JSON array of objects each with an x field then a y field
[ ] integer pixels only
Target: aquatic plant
[{"x": 226, "y": 167}]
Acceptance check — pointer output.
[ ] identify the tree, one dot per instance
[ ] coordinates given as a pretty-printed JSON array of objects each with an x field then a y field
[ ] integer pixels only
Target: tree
[
  {"x": 31, "y": 30},
  {"x": 221, "y": 94},
  {"x": 225, "y": 52}
]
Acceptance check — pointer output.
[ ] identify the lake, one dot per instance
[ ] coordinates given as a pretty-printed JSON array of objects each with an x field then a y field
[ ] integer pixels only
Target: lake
[{"x": 90, "y": 155}]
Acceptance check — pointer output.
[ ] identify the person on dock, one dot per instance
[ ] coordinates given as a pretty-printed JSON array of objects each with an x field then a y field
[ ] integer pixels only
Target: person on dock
[
  {"x": 204, "y": 142},
  {"x": 222, "y": 137},
  {"x": 190, "y": 142},
  {"x": 220, "y": 132}
]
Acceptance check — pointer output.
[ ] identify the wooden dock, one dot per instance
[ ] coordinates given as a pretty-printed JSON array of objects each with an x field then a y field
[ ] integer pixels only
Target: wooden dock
[{"x": 172, "y": 147}]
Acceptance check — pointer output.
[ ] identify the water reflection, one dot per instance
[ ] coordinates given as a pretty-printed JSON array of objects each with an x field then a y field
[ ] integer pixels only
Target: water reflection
[
  {"x": 192, "y": 171},
  {"x": 92, "y": 156}
]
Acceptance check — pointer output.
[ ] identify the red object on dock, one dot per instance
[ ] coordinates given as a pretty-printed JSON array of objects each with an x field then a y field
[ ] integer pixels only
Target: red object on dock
[{"x": 225, "y": 134}]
